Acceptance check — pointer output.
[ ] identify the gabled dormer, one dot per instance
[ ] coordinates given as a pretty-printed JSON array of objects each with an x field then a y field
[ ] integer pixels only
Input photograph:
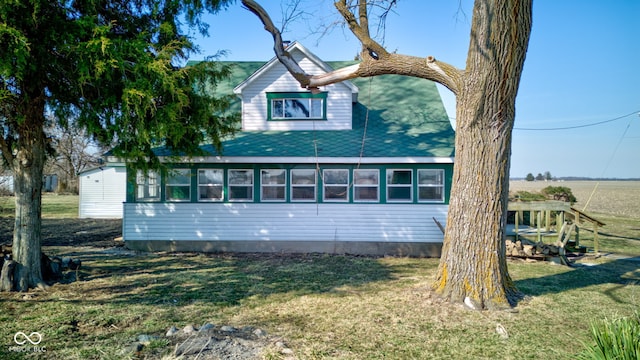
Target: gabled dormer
[{"x": 273, "y": 100}]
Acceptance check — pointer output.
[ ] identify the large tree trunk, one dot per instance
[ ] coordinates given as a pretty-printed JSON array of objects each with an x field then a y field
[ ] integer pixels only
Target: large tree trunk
[
  {"x": 473, "y": 265},
  {"x": 28, "y": 166}
]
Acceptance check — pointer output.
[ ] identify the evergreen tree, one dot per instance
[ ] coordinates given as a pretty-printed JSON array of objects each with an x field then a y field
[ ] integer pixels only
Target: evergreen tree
[{"x": 110, "y": 67}]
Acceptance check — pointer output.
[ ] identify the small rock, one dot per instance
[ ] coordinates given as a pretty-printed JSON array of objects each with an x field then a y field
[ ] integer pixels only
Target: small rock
[
  {"x": 286, "y": 351},
  {"x": 206, "y": 327},
  {"x": 470, "y": 303},
  {"x": 145, "y": 339},
  {"x": 228, "y": 328},
  {"x": 132, "y": 348},
  {"x": 172, "y": 331},
  {"x": 189, "y": 329},
  {"x": 502, "y": 331},
  {"x": 280, "y": 344},
  {"x": 259, "y": 333}
]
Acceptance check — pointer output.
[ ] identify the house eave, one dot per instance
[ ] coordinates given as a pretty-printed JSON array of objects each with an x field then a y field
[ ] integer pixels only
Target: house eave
[
  {"x": 274, "y": 61},
  {"x": 314, "y": 160}
]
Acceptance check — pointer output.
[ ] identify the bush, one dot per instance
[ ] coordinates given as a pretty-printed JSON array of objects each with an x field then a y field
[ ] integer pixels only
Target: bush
[
  {"x": 559, "y": 193},
  {"x": 618, "y": 339},
  {"x": 529, "y": 196}
]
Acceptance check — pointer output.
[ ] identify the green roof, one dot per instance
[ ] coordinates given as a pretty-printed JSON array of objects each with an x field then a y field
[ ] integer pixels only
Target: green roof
[{"x": 402, "y": 117}]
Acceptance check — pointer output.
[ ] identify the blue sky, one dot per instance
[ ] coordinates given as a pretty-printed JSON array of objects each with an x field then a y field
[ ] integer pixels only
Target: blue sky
[{"x": 581, "y": 68}]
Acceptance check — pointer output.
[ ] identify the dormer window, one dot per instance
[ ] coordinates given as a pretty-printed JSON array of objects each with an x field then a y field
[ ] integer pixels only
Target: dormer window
[{"x": 297, "y": 106}]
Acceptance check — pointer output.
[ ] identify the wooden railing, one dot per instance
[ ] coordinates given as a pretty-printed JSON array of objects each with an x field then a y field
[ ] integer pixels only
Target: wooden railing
[{"x": 540, "y": 213}]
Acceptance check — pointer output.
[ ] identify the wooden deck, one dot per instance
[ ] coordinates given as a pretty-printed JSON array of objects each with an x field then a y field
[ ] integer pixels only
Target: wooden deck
[{"x": 568, "y": 221}]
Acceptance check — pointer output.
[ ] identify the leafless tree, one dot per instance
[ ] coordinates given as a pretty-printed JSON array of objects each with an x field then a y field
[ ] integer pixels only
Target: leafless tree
[
  {"x": 473, "y": 267},
  {"x": 72, "y": 152}
]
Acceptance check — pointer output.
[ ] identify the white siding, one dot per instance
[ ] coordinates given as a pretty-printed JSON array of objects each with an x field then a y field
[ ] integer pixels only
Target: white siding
[
  {"x": 277, "y": 79},
  {"x": 102, "y": 192},
  {"x": 283, "y": 222}
]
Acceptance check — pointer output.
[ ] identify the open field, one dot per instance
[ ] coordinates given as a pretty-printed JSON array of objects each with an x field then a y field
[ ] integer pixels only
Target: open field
[
  {"x": 320, "y": 306},
  {"x": 610, "y": 197}
]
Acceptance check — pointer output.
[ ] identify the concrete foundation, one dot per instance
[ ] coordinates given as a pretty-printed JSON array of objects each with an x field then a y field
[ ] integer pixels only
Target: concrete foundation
[{"x": 412, "y": 249}]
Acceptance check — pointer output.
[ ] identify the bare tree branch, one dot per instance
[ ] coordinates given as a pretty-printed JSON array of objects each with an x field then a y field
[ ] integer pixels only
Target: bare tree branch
[
  {"x": 290, "y": 13},
  {"x": 285, "y": 58},
  {"x": 376, "y": 60},
  {"x": 361, "y": 30}
]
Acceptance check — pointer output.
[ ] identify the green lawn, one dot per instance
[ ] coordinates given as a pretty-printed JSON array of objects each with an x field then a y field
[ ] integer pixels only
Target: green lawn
[{"x": 53, "y": 206}]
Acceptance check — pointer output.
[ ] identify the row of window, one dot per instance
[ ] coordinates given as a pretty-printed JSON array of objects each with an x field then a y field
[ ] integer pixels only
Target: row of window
[{"x": 303, "y": 184}]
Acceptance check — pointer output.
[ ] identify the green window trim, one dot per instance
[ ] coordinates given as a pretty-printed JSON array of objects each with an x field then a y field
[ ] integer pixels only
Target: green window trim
[
  {"x": 241, "y": 184},
  {"x": 330, "y": 183},
  {"x": 273, "y": 185},
  {"x": 303, "y": 185},
  {"x": 336, "y": 184},
  {"x": 147, "y": 186},
  {"x": 366, "y": 185},
  {"x": 400, "y": 185},
  {"x": 178, "y": 185},
  {"x": 296, "y": 99},
  {"x": 431, "y": 185},
  {"x": 211, "y": 185}
]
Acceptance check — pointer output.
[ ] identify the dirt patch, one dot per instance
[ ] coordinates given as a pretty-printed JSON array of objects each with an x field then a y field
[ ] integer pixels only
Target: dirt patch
[
  {"x": 211, "y": 342},
  {"x": 70, "y": 232}
]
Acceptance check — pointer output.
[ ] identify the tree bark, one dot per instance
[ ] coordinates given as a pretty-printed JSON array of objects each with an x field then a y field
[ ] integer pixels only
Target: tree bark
[
  {"x": 28, "y": 166},
  {"x": 6, "y": 275},
  {"x": 473, "y": 264}
]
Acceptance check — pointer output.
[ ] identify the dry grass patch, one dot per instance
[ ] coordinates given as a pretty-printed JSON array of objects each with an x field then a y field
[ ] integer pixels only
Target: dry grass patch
[{"x": 323, "y": 307}]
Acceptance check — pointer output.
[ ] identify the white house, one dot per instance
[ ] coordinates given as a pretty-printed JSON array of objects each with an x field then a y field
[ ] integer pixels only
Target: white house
[{"x": 360, "y": 167}]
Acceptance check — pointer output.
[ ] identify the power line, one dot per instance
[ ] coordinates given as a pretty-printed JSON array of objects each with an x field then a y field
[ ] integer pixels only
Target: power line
[
  {"x": 615, "y": 150},
  {"x": 579, "y": 126}
]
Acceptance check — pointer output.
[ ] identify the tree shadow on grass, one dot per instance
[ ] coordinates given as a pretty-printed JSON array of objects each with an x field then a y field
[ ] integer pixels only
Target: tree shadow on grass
[
  {"x": 223, "y": 279},
  {"x": 621, "y": 272}
]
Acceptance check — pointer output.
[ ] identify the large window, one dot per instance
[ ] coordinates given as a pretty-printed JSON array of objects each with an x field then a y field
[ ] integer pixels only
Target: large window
[
  {"x": 366, "y": 185},
  {"x": 240, "y": 185},
  {"x": 273, "y": 183},
  {"x": 210, "y": 184},
  {"x": 178, "y": 185},
  {"x": 336, "y": 184},
  {"x": 296, "y": 106},
  {"x": 431, "y": 185},
  {"x": 147, "y": 186},
  {"x": 399, "y": 185},
  {"x": 303, "y": 185}
]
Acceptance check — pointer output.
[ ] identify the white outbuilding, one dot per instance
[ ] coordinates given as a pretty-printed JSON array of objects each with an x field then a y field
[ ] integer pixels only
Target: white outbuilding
[{"x": 102, "y": 192}]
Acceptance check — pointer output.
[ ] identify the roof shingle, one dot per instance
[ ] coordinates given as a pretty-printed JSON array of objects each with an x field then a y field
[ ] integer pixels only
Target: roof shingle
[{"x": 396, "y": 116}]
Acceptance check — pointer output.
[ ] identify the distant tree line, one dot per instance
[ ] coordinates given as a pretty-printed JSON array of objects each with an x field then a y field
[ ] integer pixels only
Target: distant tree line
[{"x": 540, "y": 177}]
